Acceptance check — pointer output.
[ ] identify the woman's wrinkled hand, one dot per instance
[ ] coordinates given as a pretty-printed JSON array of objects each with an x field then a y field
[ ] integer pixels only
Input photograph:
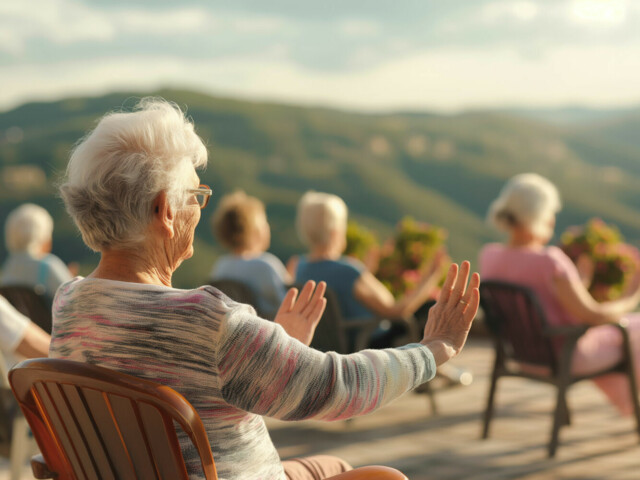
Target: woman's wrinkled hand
[
  {"x": 299, "y": 314},
  {"x": 450, "y": 318}
]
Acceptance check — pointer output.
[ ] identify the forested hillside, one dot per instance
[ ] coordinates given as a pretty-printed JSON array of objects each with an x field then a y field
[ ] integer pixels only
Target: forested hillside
[{"x": 439, "y": 169}]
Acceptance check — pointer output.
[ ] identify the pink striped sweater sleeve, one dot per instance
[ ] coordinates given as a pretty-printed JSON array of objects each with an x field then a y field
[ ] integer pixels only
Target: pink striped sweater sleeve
[{"x": 265, "y": 371}]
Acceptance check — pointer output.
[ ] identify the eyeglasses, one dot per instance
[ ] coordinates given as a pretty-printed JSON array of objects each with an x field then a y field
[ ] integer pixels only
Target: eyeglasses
[{"x": 203, "y": 194}]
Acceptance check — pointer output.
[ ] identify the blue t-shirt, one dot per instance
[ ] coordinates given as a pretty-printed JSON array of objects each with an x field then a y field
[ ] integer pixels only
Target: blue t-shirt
[{"x": 340, "y": 276}]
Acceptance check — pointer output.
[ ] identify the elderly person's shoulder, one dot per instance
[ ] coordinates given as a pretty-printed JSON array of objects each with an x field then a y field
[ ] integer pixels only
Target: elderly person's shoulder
[{"x": 124, "y": 297}]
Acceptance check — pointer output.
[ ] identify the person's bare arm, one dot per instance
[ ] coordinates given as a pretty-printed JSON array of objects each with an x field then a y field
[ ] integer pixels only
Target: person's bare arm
[
  {"x": 369, "y": 291},
  {"x": 577, "y": 300},
  {"x": 34, "y": 343}
]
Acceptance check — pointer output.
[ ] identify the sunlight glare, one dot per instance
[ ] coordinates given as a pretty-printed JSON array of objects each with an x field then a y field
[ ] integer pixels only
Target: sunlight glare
[{"x": 603, "y": 12}]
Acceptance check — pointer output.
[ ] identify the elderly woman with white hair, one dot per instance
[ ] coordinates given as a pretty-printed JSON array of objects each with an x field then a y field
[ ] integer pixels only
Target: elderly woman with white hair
[
  {"x": 526, "y": 210},
  {"x": 133, "y": 191},
  {"x": 28, "y": 233},
  {"x": 322, "y": 226}
]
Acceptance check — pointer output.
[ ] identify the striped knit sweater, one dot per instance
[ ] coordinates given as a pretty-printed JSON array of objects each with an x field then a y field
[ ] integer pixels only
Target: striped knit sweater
[{"x": 231, "y": 365}]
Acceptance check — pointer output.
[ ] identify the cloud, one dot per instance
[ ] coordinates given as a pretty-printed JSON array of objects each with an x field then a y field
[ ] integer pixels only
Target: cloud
[
  {"x": 58, "y": 21},
  {"x": 359, "y": 28},
  {"x": 67, "y": 22},
  {"x": 599, "y": 12},
  {"x": 165, "y": 22},
  {"x": 521, "y": 10},
  {"x": 443, "y": 79}
]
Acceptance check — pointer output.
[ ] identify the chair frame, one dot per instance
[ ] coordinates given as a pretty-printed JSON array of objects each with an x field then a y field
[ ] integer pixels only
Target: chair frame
[
  {"x": 238, "y": 291},
  {"x": 559, "y": 366},
  {"x": 27, "y": 300},
  {"x": 69, "y": 406}
]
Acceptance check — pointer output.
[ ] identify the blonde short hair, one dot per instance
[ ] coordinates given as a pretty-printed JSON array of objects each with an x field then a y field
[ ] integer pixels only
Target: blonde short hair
[
  {"x": 116, "y": 172},
  {"x": 28, "y": 228},
  {"x": 527, "y": 200},
  {"x": 318, "y": 215},
  {"x": 235, "y": 220}
]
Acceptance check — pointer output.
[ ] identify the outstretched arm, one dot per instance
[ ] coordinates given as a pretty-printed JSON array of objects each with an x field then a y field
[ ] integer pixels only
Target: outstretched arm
[
  {"x": 577, "y": 300},
  {"x": 369, "y": 291},
  {"x": 265, "y": 371}
]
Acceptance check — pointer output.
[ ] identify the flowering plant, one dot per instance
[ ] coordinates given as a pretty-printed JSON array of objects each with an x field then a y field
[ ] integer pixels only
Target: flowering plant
[
  {"x": 361, "y": 242},
  {"x": 613, "y": 261},
  {"x": 403, "y": 257}
]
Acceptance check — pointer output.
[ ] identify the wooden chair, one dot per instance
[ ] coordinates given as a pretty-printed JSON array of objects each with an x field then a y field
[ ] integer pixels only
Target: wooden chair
[
  {"x": 94, "y": 423},
  {"x": 30, "y": 303},
  {"x": 527, "y": 346}
]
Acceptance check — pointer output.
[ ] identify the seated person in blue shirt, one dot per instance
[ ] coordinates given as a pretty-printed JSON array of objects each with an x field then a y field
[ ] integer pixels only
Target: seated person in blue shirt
[
  {"x": 240, "y": 224},
  {"x": 28, "y": 234},
  {"x": 322, "y": 226}
]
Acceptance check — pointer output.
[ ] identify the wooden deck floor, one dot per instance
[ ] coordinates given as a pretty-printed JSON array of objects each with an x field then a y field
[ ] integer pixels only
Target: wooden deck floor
[{"x": 598, "y": 445}]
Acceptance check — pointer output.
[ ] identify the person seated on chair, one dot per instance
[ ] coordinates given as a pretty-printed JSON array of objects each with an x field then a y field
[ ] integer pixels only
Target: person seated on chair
[
  {"x": 526, "y": 210},
  {"x": 20, "y": 338},
  {"x": 240, "y": 224},
  {"x": 28, "y": 233},
  {"x": 132, "y": 189},
  {"x": 322, "y": 225}
]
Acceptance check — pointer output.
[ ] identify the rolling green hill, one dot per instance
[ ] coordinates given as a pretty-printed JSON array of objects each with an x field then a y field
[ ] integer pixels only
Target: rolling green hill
[{"x": 439, "y": 169}]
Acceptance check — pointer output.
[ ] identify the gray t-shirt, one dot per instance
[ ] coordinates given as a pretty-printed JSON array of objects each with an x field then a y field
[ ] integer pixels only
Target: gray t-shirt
[
  {"x": 46, "y": 273},
  {"x": 264, "y": 274}
]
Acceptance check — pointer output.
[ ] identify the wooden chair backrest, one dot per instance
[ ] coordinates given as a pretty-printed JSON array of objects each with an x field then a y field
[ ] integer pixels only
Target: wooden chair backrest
[
  {"x": 516, "y": 320},
  {"x": 31, "y": 304},
  {"x": 94, "y": 423}
]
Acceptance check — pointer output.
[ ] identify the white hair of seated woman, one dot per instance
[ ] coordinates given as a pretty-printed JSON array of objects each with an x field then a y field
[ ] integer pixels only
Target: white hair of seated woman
[
  {"x": 528, "y": 200},
  {"x": 320, "y": 214},
  {"x": 27, "y": 229},
  {"x": 119, "y": 168}
]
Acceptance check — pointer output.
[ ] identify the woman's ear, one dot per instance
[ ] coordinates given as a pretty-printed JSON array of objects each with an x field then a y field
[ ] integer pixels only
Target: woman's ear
[{"x": 163, "y": 215}]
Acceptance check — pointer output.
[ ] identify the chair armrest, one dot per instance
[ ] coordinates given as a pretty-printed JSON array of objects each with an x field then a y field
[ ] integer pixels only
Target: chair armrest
[
  {"x": 40, "y": 469},
  {"x": 371, "y": 473}
]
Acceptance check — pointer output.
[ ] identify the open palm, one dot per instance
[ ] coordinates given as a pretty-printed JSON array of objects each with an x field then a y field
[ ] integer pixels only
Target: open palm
[{"x": 299, "y": 314}]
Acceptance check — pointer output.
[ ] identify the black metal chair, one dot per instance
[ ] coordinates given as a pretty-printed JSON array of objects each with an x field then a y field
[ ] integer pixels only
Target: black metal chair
[
  {"x": 335, "y": 334},
  {"x": 30, "y": 303},
  {"x": 527, "y": 346},
  {"x": 238, "y": 291}
]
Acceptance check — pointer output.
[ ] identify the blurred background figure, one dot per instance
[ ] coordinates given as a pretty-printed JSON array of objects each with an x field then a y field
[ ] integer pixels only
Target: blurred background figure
[
  {"x": 526, "y": 210},
  {"x": 28, "y": 236},
  {"x": 322, "y": 226},
  {"x": 240, "y": 224}
]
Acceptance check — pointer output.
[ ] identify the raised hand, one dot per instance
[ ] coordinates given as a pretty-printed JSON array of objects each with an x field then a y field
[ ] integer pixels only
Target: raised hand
[
  {"x": 450, "y": 318},
  {"x": 299, "y": 314}
]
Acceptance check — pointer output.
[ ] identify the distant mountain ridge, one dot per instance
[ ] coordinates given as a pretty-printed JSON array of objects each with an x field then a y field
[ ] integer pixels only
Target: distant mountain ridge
[{"x": 443, "y": 169}]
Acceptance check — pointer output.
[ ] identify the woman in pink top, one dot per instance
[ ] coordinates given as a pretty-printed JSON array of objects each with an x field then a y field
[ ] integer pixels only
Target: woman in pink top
[{"x": 526, "y": 210}]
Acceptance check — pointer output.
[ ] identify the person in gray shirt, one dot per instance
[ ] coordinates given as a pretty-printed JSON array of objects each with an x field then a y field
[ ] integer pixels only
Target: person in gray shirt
[
  {"x": 28, "y": 235},
  {"x": 240, "y": 224}
]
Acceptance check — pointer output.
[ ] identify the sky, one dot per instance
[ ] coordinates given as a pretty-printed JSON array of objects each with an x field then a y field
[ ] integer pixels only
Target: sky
[{"x": 443, "y": 55}]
